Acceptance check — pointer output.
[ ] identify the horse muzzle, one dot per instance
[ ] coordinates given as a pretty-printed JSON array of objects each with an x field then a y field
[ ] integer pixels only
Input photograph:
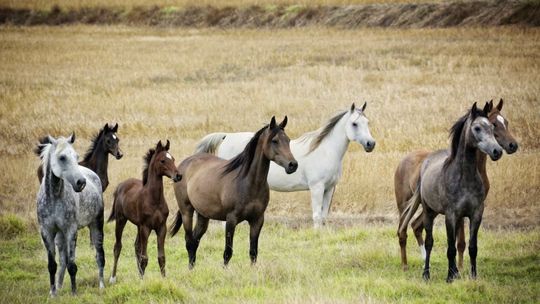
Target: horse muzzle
[
  {"x": 79, "y": 185},
  {"x": 369, "y": 146},
  {"x": 118, "y": 154},
  {"x": 177, "y": 177},
  {"x": 496, "y": 154},
  {"x": 291, "y": 167}
]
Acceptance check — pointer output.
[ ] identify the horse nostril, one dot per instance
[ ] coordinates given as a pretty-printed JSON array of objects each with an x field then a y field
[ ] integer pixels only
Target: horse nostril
[
  {"x": 293, "y": 165},
  {"x": 513, "y": 146},
  {"x": 81, "y": 183},
  {"x": 496, "y": 152}
]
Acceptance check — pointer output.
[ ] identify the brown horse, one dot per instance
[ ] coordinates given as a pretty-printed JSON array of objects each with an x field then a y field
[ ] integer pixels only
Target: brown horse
[
  {"x": 143, "y": 204},
  {"x": 231, "y": 191},
  {"x": 408, "y": 173}
]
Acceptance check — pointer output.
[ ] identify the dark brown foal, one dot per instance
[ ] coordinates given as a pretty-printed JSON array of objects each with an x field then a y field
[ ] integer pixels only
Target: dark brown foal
[{"x": 143, "y": 204}]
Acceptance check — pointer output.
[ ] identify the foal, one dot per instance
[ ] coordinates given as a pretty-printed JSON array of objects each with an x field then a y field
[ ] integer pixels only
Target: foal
[
  {"x": 143, "y": 204},
  {"x": 69, "y": 198},
  {"x": 231, "y": 191},
  {"x": 452, "y": 185},
  {"x": 408, "y": 173},
  {"x": 97, "y": 156}
]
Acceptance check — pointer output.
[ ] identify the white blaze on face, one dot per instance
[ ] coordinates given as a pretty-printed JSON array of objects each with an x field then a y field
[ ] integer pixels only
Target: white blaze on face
[
  {"x": 114, "y": 136},
  {"x": 501, "y": 119},
  {"x": 168, "y": 156}
]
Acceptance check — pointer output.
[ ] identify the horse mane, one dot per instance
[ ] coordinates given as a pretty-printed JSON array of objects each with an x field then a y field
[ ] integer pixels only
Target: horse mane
[
  {"x": 147, "y": 158},
  {"x": 318, "y": 136},
  {"x": 246, "y": 157},
  {"x": 93, "y": 145},
  {"x": 456, "y": 131}
]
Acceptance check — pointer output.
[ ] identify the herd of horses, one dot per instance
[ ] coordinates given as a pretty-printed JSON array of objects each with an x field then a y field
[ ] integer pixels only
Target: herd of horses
[{"x": 229, "y": 176}]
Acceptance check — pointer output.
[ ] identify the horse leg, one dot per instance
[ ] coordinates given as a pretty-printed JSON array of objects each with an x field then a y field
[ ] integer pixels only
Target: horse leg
[
  {"x": 60, "y": 242},
  {"x": 230, "y": 226},
  {"x": 96, "y": 233},
  {"x": 475, "y": 222},
  {"x": 402, "y": 236},
  {"x": 119, "y": 229},
  {"x": 429, "y": 216},
  {"x": 451, "y": 224},
  {"x": 161, "y": 233},
  {"x": 255, "y": 227},
  {"x": 461, "y": 242},
  {"x": 191, "y": 243},
  {"x": 71, "y": 243},
  {"x": 48, "y": 241},
  {"x": 418, "y": 226},
  {"x": 144, "y": 232},
  {"x": 327, "y": 201},
  {"x": 317, "y": 192}
]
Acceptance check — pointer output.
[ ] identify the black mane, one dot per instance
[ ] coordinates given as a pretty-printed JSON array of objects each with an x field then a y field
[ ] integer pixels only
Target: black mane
[
  {"x": 246, "y": 157},
  {"x": 456, "y": 131},
  {"x": 147, "y": 158},
  {"x": 93, "y": 145}
]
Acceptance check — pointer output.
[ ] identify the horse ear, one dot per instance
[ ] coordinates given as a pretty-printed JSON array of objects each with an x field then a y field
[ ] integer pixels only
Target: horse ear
[
  {"x": 106, "y": 127},
  {"x": 273, "y": 122},
  {"x": 500, "y": 105},
  {"x": 71, "y": 138},
  {"x": 283, "y": 123},
  {"x": 168, "y": 145},
  {"x": 115, "y": 128},
  {"x": 486, "y": 109},
  {"x": 364, "y": 106},
  {"x": 474, "y": 110},
  {"x": 353, "y": 106},
  {"x": 159, "y": 146},
  {"x": 51, "y": 139}
]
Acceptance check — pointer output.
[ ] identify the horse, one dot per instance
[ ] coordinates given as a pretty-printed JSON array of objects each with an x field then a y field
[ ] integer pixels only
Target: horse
[
  {"x": 69, "y": 198},
  {"x": 97, "y": 156},
  {"x": 451, "y": 184},
  {"x": 142, "y": 202},
  {"x": 408, "y": 172},
  {"x": 231, "y": 191},
  {"x": 319, "y": 153}
]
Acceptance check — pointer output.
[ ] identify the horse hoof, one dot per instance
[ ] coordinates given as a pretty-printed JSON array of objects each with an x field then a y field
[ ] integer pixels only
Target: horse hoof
[
  {"x": 405, "y": 267},
  {"x": 112, "y": 280},
  {"x": 52, "y": 293},
  {"x": 426, "y": 276},
  {"x": 101, "y": 285}
]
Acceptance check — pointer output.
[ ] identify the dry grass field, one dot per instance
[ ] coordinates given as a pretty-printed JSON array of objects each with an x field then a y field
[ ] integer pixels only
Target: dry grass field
[{"x": 181, "y": 84}]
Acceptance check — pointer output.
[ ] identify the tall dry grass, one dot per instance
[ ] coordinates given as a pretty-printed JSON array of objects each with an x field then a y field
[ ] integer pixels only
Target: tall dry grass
[
  {"x": 181, "y": 84},
  {"x": 46, "y": 4}
]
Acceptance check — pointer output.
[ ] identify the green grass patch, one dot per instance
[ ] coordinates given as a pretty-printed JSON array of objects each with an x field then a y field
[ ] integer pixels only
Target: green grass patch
[{"x": 303, "y": 265}]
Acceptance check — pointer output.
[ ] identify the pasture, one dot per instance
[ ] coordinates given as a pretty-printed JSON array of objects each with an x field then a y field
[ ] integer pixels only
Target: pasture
[{"x": 180, "y": 84}]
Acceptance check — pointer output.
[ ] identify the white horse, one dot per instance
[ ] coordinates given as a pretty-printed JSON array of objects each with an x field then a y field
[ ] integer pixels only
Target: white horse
[{"x": 319, "y": 154}]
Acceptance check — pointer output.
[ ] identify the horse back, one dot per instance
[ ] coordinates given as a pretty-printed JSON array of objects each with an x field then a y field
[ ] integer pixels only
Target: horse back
[{"x": 407, "y": 176}]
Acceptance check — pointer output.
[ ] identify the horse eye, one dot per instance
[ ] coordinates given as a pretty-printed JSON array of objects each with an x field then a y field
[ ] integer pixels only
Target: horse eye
[
  {"x": 477, "y": 129},
  {"x": 274, "y": 141},
  {"x": 62, "y": 158},
  {"x": 355, "y": 124},
  {"x": 162, "y": 161}
]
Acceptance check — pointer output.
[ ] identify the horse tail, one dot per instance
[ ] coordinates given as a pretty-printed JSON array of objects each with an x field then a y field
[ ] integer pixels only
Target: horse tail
[
  {"x": 210, "y": 143},
  {"x": 112, "y": 217},
  {"x": 176, "y": 224},
  {"x": 410, "y": 210}
]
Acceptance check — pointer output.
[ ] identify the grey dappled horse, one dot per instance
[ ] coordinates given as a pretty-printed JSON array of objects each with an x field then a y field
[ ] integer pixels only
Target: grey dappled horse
[{"x": 69, "y": 198}]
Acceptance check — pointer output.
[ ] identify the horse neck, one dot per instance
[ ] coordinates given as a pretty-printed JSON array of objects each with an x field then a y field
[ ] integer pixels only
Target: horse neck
[
  {"x": 154, "y": 185},
  {"x": 481, "y": 159},
  {"x": 54, "y": 185},
  {"x": 466, "y": 159},
  {"x": 257, "y": 171},
  {"x": 337, "y": 141},
  {"x": 99, "y": 160}
]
